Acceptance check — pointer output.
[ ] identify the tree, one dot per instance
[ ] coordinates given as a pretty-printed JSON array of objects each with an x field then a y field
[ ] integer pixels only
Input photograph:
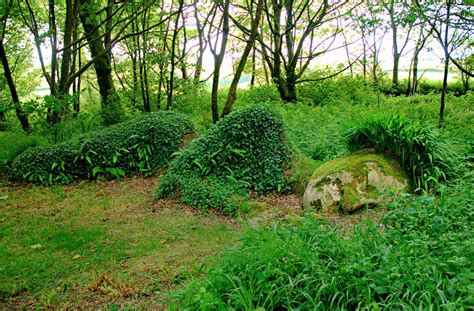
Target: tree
[
  {"x": 295, "y": 36},
  {"x": 452, "y": 25},
  {"x": 252, "y": 35},
  {"x": 222, "y": 36},
  {"x": 7, "y": 72},
  {"x": 400, "y": 16}
]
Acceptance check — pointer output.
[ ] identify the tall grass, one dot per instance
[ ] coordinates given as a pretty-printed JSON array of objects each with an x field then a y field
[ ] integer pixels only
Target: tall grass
[
  {"x": 422, "y": 153},
  {"x": 420, "y": 257}
]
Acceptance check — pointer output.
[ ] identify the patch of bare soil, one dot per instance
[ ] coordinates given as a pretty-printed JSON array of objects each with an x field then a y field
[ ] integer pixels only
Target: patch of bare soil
[{"x": 283, "y": 206}]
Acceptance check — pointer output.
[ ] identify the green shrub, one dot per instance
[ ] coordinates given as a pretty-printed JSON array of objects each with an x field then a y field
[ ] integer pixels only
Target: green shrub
[
  {"x": 48, "y": 165},
  {"x": 245, "y": 150},
  {"x": 419, "y": 148},
  {"x": 136, "y": 146},
  {"x": 13, "y": 143},
  {"x": 420, "y": 257},
  {"x": 342, "y": 89}
]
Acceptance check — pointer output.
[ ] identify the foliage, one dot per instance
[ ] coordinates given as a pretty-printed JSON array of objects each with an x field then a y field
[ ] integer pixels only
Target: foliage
[
  {"x": 247, "y": 149},
  {"x": 137, "y": 146},
  {"x": 419, "y": 257},
  {"x": 422, "y": 154},
  {"x": 13, "y": 143},
  {"x": 337, "y": 90}
]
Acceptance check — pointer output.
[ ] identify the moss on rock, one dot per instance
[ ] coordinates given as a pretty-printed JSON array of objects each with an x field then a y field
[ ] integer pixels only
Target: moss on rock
[{"x": 349, "y": 183}]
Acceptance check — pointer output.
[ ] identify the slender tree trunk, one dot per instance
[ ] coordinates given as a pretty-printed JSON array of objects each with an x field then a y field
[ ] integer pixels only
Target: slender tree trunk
[
  {"x": 77, "y": 102},
  {"x": 112, "y": 112},
  {"x": 232, "y": 95},
  {"x": 415, "y": 73},
  {"x": 265, "y": 71},
  {"x": 408, "y": 87},
  {"x": 218, "y": 59},
  {"x": 25, "y": 125},
  {"x": 182, "y": 63},
  {"x": 446, "y": 64},
  {"x": 254, "y": 67},
  {"x": 146, "y": 103},
  {"x": 444, "y": 88},
  {"x": 169, "y": 101},
  {"x": 396, "y": 62}
]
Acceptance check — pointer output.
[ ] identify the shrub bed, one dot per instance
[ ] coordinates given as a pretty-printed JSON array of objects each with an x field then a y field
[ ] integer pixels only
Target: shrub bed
[
  {"x": 140, "y": 145},
  {"x": 422, "y": 153},
  {"x": 246, "y": 150}
]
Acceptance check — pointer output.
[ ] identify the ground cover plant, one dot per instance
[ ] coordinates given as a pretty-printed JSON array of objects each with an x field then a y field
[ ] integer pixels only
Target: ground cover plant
[
  {"x": 105, "y": 205},
  {"x": 246, "y": 150},
  {"x": 133, "y": 249},
  {"x": 100, "y": 244},
  {"x": 419, "y": 256},
  {"x": 140, "y": 145},
  {"x": 419, "y": 148}
]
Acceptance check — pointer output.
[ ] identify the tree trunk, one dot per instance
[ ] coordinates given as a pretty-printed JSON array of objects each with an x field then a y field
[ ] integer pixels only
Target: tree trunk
[
  {"x": 112, "y": 112},
  {"x": 25, "y": 125},
  {"x": 146, "y": 103},
  {"x": 415, "y": 73},
  {"x": 254, "y": 67},
  {"x": 232, "y": 95},
  {"x": 169, "y": 100},
  {"x": 444, "y": 88},
  {"x": 218, "y": 59}
]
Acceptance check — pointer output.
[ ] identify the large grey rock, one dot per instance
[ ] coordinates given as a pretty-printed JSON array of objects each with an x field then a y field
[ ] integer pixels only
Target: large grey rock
[{"x": 355, "y": 181}]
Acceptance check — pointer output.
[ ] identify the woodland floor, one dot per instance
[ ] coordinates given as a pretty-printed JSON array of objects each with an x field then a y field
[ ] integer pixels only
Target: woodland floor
[{"x": 110, "y": 244}]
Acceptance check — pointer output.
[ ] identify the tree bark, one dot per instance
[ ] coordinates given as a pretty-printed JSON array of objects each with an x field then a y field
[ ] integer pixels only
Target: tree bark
[
  {"x": 218, "y": 59},
  {"x": 110, "y": 100},
  {"x": 169, "y": 100},
  {"x": 232, "y": 95},
  {"x": 25, "y": 125}
]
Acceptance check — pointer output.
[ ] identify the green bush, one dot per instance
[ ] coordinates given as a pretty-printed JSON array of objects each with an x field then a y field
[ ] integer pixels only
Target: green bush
[
  {"x": 420, "y": 257},
  {"x": 419, "y": 148},
  {"x": 245, "y": 150},
  {"x": 342, "y": 89},
  {"x": 13, "y": 143},
  {"x": 137, "y": 146}
]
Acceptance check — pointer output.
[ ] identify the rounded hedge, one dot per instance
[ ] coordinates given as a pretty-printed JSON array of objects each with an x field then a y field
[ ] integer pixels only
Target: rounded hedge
[
  {"x": 245, "y": 150},
  {"x": 140, "y": 145}
]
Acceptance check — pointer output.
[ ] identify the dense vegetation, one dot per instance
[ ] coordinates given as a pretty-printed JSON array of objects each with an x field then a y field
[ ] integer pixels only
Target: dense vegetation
[
  {"x": 140, "y": 145},
  {"x": 246, "y": 150},
  {"x": 423, "y": 155},
  {"x": 110, "y": 93},
  {"x": 420, "y": 256}
]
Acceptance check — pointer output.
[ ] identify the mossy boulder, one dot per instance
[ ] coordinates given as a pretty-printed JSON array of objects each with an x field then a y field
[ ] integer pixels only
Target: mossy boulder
[{"x": 350, "y": 183}]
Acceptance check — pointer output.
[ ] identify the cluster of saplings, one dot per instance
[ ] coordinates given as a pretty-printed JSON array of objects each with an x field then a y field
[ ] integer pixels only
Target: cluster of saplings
[{"x": 140, "y": 145}]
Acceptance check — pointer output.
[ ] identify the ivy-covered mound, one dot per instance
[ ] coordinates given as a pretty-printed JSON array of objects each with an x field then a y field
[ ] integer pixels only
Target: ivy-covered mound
[
  {"x": 140, "y": 145},
  {"x": 246, "y": 150}
]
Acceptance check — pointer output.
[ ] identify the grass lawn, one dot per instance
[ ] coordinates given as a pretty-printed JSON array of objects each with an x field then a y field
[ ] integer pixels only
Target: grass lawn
[
  {"x": 95, "y": 244},
  {"x": 110, "y": 244}
]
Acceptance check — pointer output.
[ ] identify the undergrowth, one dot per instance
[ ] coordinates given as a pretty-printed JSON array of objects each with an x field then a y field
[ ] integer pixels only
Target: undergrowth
[
  {"x": 140, "y": 145},
  {"x": 419, "y": 257},
  {"x": 245, "y": 150},
  {"x": 424, "y": 156}
]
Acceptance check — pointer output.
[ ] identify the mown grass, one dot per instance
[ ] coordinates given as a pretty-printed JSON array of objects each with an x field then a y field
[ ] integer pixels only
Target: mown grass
[{"x": 93, "y": 244}]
